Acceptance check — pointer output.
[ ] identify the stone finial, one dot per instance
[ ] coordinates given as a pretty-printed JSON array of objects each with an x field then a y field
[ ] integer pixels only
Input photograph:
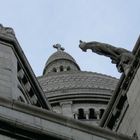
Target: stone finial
[
  {"x": 6, "y": 30},
  {"x": 58, "y": 47}
]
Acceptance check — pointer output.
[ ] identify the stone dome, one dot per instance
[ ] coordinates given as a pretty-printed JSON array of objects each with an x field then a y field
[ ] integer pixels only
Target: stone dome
[
  {"x": 74, "y": 93},
  {"x": 77, "y": 80},
  {"x": 60, "y": 55},
  {"x": 78, "y": 85},
  {"x": 68, "y": 92},
  {"x": 60, "y": 59}
]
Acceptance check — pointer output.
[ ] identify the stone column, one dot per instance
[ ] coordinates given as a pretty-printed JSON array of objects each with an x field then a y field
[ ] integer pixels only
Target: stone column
[
  {"x": 87, "y": 115},
  {"x": 58, "y": 69},
  {"x": 76, "y": 116},
  {"x": 97, "y": 112},
  {"x": 65, "y": 69}
]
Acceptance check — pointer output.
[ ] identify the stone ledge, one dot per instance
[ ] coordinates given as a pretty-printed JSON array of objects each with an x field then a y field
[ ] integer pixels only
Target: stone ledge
[{"x": 61, "y": 120}]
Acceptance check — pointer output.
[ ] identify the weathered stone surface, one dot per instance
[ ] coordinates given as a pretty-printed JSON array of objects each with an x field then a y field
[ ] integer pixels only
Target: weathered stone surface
[
  {"x": 8, "y": 71},
  {"x": 76, "y": 79},
  {"x": 39, "y": 120},
  {"x": 130, "y": 122}
]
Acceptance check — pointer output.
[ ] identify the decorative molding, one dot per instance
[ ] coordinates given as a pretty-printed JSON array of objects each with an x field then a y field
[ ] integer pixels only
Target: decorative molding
[{"x": 56, "y": 118}]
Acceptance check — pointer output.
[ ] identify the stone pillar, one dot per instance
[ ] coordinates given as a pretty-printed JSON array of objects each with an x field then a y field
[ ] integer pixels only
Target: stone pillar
[
  {"x": 87, "y": 115},
  {"x": 64, "y": 67},
  {"x": 97, "y": 114},
  {"x": 75, "y": 115},
  {"x": 67, "y": 109},
  {"x": 8, "y": 71},
  {"x": 58, "y": 69}
]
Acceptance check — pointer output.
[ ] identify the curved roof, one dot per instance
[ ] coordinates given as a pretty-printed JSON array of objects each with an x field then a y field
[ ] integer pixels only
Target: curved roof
[
  {"x": 60, "y": 55},
  {"x": 77, "y": 80}
]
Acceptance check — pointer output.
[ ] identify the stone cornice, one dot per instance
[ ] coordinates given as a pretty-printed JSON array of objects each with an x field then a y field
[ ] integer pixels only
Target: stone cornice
[{"x": 49, "y": 116}]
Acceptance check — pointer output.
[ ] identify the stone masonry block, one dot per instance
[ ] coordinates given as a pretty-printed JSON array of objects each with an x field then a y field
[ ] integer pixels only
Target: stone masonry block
[{"x": 6, "y": 47}]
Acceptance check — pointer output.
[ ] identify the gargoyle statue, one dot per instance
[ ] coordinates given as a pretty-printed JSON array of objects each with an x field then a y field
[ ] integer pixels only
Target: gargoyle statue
[
  {"x": 6, "y": 30},
  {"x": 119, "y": 56}
]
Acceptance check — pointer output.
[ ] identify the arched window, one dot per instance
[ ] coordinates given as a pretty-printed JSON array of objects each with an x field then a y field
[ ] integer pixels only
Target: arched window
[
  {"x": 101, "y": 112},
  {"x": 92, "y": 114},
  {"x": 68, "y": 68},
  {"x": 61, "y": 68},
  {"x": 54, "y": 70},
  {"x": 81, "y": 114}
]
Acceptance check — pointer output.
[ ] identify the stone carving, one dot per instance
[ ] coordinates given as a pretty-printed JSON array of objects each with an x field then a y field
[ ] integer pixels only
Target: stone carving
[
  {"x": 58, "y": 47},
  {"x": 119, "y": 56},
  {"x": 6, "y": 30}
]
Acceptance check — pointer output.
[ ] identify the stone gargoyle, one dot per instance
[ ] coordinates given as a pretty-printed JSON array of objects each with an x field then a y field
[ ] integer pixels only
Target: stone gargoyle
[
  {"x": 6, "y": 30},
  {"x": 119, "y": 56}
]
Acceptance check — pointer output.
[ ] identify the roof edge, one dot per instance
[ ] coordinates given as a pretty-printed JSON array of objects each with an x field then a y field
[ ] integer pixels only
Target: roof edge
[{"x": 20, "y": 55}]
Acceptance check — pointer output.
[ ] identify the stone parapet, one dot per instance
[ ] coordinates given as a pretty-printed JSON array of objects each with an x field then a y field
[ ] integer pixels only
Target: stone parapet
[{"x": 42, "y": 123}]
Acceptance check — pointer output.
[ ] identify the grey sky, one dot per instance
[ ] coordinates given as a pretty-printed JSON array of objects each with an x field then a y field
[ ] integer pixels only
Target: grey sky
[{"x": 41, "y": 23}]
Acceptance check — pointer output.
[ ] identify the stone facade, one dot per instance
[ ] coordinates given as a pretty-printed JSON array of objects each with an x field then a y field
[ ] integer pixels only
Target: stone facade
[
  {"x": 15, "y": 82},
  {"x": 20, "y": 121},
  {"x": 130, "y": 124},
  {"x": 122, "y": 114},
  {"x": 25, "y": 112},
  {"x": 8, "y": 72}
]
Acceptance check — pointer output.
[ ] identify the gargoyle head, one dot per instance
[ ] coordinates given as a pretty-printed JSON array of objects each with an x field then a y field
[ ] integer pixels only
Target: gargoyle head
[{"x": 82, "y": 45}]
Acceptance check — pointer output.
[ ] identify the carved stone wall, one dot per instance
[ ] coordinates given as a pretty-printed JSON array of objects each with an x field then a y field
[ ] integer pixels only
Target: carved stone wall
[
  {"x": 130, "y": 123},
  {"x": 8, "y": 71}
]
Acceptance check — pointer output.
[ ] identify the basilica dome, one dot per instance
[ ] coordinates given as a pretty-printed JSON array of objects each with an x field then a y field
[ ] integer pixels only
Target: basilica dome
[
  {"x": 74, "y": 93},
  {"x": 60, "y": 61},
  {"x": 60, "y": 55}
]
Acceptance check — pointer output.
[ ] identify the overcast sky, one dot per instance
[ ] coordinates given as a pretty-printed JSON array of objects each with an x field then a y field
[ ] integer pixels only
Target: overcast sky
[{"x": 39, "y": 24}]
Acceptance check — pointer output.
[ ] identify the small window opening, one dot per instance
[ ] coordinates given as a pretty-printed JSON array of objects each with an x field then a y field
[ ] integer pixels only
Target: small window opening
[
  {"x": 18, "y": 67},
  {"x": 24, "y": 80},
  {"x": 68, "y": 68},
  {"x": 81, "y": 114},
  {"x": 101, "y": 112},
  {"x": 61, "y": 68},
  {"x": 31, "y": 93},
  {"x": 54, "y": 70},
  {"x": 92, "y": 114}
]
